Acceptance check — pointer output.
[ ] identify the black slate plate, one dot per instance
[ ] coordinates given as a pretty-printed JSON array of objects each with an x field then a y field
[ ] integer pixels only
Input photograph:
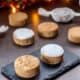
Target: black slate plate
[{"x": 46, "y": 72}]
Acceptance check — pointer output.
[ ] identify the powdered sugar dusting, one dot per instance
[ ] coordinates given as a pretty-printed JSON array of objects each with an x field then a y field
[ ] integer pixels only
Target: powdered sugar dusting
[
  {"x": 23, "y": 33},
  {"x": 52, "y": 50}
]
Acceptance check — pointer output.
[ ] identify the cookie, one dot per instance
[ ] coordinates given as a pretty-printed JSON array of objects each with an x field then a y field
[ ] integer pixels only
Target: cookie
[
  {"x": 74, "y": 34},
  {"x": 52, "y": 54},
  {"x": 23, "y": 37},
  {"x": 48, "y": 29},
  {"x": 18, "y": 19},
  {"x": 27, "y": 66}
]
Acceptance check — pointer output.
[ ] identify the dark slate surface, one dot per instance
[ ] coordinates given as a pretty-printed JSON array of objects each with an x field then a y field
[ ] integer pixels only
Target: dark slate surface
[{"x": 46, "y": 72}]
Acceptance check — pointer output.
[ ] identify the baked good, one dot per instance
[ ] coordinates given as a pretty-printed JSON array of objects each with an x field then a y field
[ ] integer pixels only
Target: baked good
[
  {"x": 18, "y": 19},
  {"x": 23, "y": 36},
  {"x": 3, "y": 30},
  {"x": 48, "y": 29},
  {"x": 27, "y": 66},
  {"x": 52, "y": 54},
  {"x": 74, "y": 34}
]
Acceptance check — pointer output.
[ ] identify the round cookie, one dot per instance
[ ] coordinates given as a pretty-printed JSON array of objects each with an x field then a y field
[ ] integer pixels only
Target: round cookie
[
  {"x": 52, "y": 54},
  {"x": 23, "y": 36},
  {"x": 18, "y": 19},
  {"x": 27, "y": 66},
  {"x": 74, "y": 34},
  {"x": 48, "y": 29}
]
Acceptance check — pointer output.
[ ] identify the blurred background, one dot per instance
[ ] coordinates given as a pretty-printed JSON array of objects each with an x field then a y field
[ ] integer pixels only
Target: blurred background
[{"x": 22, "y": 4}]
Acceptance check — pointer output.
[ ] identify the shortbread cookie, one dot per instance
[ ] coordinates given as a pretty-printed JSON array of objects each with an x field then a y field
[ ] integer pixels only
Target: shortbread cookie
[
  {"x": 48, "y": 29},
  {"x": 52, "y": 54},
  {"x": 18, "y": 19},
  {"x": 27, "y": 66},
  {"x": 23, "y": 36},
  {"x": 74, "y": 34}
]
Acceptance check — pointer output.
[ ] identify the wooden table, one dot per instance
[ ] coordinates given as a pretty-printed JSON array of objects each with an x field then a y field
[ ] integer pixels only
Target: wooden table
[{"x": 9, "y": 52}]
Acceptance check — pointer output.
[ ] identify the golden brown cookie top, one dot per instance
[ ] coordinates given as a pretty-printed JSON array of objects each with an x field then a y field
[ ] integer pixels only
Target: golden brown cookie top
[
  {"x": 74, "y": 31},
  {"x": 19, "y": 16},
  {"x": 47, "y": 26},
  {"x": 27, "y": 62}
]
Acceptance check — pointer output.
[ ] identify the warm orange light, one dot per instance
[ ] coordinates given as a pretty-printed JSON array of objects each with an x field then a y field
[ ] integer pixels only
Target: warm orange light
[
  {"x": 17, "y": 6},
  {"x": 14, "y": 10},
  {"x": 67, "y": 1},
  {"x": 48, "y": 0},
  {"x": 35, "y": 19}
]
